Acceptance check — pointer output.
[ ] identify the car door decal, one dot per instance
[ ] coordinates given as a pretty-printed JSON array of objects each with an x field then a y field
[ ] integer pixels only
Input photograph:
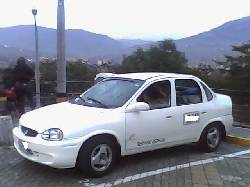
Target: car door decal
[
  {"x": 149, "y": 142},
  {"x": 191, "y": 117}
]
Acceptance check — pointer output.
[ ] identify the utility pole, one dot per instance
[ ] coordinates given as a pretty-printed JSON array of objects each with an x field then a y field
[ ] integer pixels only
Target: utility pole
[
  {"x": 61, "y": 61},
  {"x": 37, "y": 71}
]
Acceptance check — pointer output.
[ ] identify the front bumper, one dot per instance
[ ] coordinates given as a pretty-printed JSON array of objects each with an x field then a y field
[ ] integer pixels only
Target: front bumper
[{"x": 57, "y": 154}]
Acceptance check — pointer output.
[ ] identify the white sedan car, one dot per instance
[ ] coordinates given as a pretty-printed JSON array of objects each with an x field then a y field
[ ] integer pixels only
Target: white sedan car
[{"x": 124, "y": 115}]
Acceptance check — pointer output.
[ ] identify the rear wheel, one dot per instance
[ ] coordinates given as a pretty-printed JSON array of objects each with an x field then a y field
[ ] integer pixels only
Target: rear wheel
[
  {"x": 98, "y": 156},
  {"x": 210, "y": 138}
]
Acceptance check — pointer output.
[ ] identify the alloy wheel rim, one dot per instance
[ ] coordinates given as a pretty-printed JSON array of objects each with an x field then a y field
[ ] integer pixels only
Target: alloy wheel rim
[
  {"x": 101, "y": 157},
  {"x": 213, "y": 137}
]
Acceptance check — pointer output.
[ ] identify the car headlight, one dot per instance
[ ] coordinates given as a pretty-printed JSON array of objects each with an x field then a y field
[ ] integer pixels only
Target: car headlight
[{"x": 52, "y": 135}]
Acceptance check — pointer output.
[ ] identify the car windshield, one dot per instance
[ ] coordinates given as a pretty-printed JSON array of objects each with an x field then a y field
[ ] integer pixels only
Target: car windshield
[{"x": 110, "y": 93}]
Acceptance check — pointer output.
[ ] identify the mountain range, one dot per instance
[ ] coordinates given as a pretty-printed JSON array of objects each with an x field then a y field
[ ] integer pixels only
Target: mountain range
[
  {"x": 79, "y": 43},
  {"x": 214, "y": 44},
  {"x": 202, "y": 48}
]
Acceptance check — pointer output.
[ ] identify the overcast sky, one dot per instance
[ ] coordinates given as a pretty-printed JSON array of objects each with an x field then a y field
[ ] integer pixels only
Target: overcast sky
[{"x": 143, "y": 19}]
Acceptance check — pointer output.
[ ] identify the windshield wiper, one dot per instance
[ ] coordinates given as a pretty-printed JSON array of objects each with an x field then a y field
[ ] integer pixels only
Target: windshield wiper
[
  {"x": 96, "y": 101},
  {"x": 76, "y": 100},
  {"x": 81, "y": 98}
]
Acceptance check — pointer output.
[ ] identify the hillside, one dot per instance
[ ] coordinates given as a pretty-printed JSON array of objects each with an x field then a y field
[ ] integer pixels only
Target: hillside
[
  {"x": 80, "y": 43},
  {"x": 202, "y": 48},
  {"x": 215, "y": 43},
  {"x": 9, "y": 54}
]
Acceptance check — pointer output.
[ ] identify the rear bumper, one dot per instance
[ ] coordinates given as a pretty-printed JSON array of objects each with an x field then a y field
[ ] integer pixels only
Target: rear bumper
[
  {"x": 228, "y": 122},
  {"x": 58, "y": 154}
]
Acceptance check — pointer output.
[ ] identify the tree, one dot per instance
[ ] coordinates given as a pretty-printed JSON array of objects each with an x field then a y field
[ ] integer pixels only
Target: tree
[
  {"x": 240, "y": 64},
  {"x": 135, "y": 62},
  {"x": 167, "y": 46},
  {"x": 48, "y": 71},
  {"x": 238, "y": 77},
  {"x": 163, "y": 57}
]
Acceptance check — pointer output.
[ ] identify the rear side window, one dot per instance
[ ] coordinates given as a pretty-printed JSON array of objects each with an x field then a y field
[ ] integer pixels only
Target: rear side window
[
  {"x": 207, "y": 92},
  {"x": 187, "y": 92}
]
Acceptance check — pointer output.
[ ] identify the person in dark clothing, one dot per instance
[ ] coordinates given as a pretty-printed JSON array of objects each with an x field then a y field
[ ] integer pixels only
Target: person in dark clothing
[
  {"x": 22, "y": 76},
  {"x": 8, "y": 78}
]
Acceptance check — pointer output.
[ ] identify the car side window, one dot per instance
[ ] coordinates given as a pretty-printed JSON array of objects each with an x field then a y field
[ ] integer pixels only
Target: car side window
[
  {"x": 187, "y": 92},
  {"x": 157, "y": 95},
  {"x": 207, "y": 92}
]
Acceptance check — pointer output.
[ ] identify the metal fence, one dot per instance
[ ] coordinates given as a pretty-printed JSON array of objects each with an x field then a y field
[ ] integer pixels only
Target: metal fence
[
  {"x": 240, "y": 98},
  {"x": 74, "y": 88},
  {"x": 241, "y": 104}
]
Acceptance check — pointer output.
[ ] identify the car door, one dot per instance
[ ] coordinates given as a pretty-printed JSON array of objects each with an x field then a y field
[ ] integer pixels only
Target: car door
[
  {"x": 191, "y": 109},
  {"x": 153, "y": 128}
]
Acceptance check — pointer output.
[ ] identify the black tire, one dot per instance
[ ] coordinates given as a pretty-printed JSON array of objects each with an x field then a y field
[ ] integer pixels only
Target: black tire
[
  {"x": 84, "y": 162},
  {"x": 205, "y": 143}
]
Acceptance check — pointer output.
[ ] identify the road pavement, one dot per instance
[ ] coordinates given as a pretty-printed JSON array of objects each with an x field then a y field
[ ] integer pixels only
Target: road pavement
[{"x": 178, "y": 166}]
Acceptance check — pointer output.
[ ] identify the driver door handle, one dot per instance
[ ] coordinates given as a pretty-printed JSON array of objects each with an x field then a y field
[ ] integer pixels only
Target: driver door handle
[{"x": 168, "y": 117}]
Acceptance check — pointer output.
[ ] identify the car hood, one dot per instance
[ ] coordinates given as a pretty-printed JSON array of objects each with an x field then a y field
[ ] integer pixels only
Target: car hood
[{"x": 65, "y": 116}]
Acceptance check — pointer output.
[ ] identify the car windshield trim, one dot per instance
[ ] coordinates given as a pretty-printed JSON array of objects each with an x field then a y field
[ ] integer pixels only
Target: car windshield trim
[
  {"x": 103, "y": 93},
  {"x": 122, "y": 79}
]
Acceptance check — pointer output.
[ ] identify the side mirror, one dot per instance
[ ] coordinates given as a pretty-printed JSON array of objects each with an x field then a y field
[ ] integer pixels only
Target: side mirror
[{"x": 137, "y": 107}]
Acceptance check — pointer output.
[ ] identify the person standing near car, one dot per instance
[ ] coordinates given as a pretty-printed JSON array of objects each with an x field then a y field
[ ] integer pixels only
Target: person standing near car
[{"x": 22, "y": 76}]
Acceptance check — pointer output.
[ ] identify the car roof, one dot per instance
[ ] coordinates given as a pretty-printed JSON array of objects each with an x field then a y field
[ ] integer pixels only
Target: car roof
[
  {"x": 104, "y": 75},
  {"x": 146, "y": 76}
]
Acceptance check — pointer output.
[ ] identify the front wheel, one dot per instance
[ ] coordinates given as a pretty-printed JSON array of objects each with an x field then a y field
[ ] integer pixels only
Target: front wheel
[
  {"x": 210, "y": 138},
  {"x": 97, "y": 156}
]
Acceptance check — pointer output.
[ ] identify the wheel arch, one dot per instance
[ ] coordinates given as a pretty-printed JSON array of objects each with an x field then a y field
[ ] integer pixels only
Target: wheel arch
[
  {"x": 83, "y": 156},
  {"x": 109, "y": 134},
  {"x": 217, "y": 122}
]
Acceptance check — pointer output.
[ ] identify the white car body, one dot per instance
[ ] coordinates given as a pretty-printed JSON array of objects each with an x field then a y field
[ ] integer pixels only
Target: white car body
[
  {"x": 101, "y": 76},
  {"x": 135, "y": 132}
]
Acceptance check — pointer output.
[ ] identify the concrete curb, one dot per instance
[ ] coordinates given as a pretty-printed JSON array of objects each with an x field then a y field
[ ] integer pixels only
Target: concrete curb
[
  {"x": 238, "y": 140},
  {"x": 242, "y": 125},
  {"x": 6, "y": 126}
]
